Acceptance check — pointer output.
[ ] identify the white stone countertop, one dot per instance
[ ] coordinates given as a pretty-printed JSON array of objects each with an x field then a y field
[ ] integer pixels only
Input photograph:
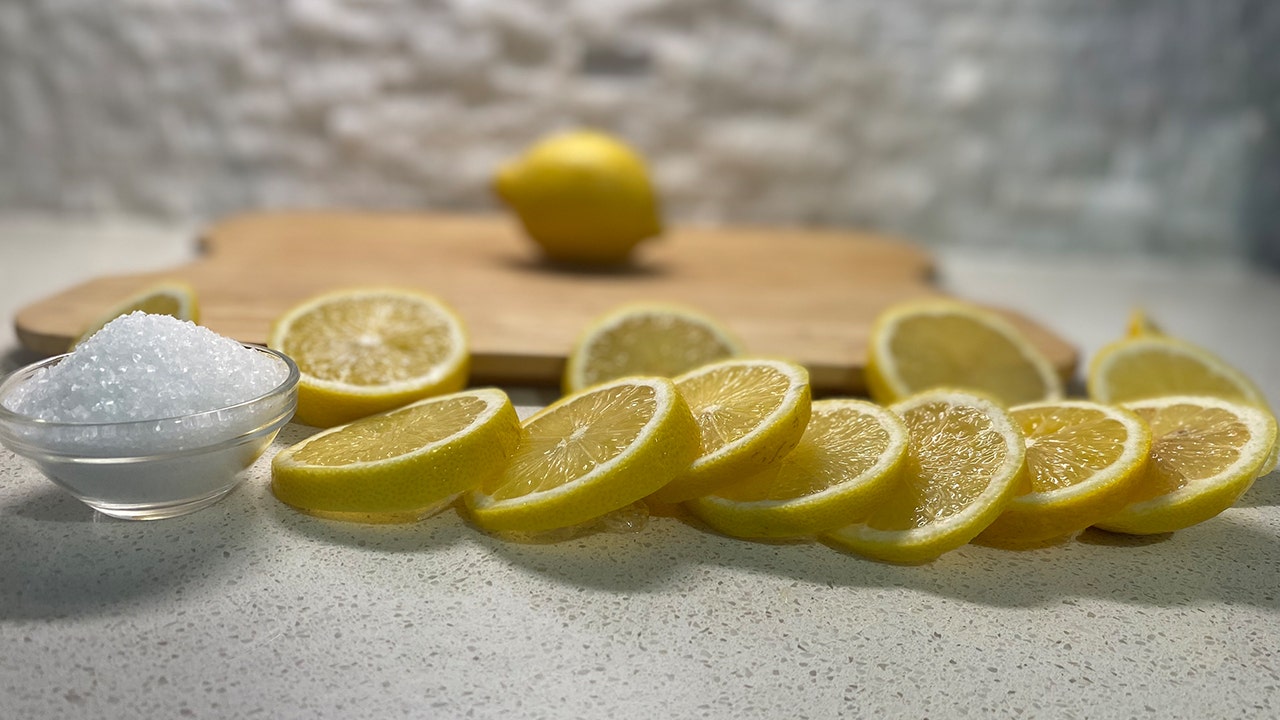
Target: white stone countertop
[{"x": 248, "y": 609}]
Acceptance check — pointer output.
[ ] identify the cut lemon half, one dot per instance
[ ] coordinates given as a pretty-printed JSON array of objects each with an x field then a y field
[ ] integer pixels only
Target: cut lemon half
[
  {"x": 1205, "y": 453},
  {"x": 964, "y": 464},
  {"x": 851, "y": 453},
  {"x": 589, "y": 454},
  {"x": 926, "y": 344},
  {"x": 646, "y": 339},
  {"x": 167, "y": 297},
  {"x": 1083, "y": 458},
  {"x": 404, "y": 462},
  {"x": 367, "y": 350},
  {"x": 750, "y": 413}
]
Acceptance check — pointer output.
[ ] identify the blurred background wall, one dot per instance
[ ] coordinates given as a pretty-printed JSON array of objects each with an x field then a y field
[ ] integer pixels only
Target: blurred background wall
[{"x": 1120, "y": 126}]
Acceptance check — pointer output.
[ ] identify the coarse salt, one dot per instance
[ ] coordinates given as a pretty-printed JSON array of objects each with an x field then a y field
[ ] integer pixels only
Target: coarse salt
[{"x": 147, "y": 367}]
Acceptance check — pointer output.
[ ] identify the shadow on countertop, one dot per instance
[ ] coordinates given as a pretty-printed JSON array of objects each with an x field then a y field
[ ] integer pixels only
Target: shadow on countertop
[
  {"x": 58, "y": 558},
  {"x": 1229, "y": 559}
]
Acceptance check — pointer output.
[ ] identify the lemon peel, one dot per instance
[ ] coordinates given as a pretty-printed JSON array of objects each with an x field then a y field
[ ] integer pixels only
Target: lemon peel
[{"x": 583, "y": 196}]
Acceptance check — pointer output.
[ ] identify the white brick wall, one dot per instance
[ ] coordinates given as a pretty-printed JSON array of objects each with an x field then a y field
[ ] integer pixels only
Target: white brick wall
[{"x": 1125, "y": 126}]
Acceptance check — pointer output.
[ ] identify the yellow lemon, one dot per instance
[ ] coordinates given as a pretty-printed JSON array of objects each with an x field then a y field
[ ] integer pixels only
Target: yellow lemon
[
  {"x": 585, "y": 197},
  {"x": 365, "y": 350}
]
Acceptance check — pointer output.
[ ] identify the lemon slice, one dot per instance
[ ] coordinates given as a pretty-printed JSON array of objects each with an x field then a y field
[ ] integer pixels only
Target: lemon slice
[
  {"x": 167, "y": 297},
  {"x": 1082, "y": 460},
  {"x": 921, "y": 345},
  {"x": 646, "y": 339},
  {"x": 367, "y": 350},
  {"x": 750, "y": 412},
  {"x": 964, "y": 465},
  {"x": 589, "y": 454},
  {"x": 851, "y": 453},
  {"x": 1205, "y": 453},
  {"x": 404, "y": 462},
  {"x": 1150, "y": 365}
]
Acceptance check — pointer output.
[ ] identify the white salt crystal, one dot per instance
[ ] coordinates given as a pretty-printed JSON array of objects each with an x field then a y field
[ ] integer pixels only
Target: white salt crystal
[{"x": 147, "y": 367}]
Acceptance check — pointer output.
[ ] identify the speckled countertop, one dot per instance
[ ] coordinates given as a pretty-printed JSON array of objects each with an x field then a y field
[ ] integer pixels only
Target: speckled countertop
[{"x": 248, "y": 609}]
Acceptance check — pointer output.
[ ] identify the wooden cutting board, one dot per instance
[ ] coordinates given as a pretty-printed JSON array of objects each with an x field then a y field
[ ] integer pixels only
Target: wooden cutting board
[{"x": 802, "y": 294}]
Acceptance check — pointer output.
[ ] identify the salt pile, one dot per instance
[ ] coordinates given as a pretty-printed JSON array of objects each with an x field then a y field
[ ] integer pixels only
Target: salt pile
[{"x": 147, "y": 367}]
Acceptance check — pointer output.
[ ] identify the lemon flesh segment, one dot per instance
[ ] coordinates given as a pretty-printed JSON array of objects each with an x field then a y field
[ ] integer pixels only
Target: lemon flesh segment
[
  {"x": 923, "y": 345},
  {"x": 965, "y": 462},
  {"x": 646, "y": 339},
  {"x": 405, "y": 462},
  {"x": 367, "y": 350},
  {"x": 585, "y": 197},
  {"x": 1083, "y": 459},
  {"x": 589, "y": 454},
  {"x": 750, "y": 414},
  {"x": 167, "y": 297},
  {"x": 1205, "y": 453},
  {"x": 851, "y": 453}
]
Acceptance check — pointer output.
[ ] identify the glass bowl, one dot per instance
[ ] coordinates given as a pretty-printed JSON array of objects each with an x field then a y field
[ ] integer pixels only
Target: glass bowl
[{"x": 150, "y": 469}]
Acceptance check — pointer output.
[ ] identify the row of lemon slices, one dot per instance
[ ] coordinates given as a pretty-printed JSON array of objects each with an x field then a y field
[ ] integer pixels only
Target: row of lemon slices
[
  {"x": 741, "y": 445},
  {"x": 1173, "y": 435}
]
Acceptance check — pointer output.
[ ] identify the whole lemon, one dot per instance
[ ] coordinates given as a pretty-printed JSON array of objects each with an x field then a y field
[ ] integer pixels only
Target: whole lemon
[{"x": 584, "y": 196}]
